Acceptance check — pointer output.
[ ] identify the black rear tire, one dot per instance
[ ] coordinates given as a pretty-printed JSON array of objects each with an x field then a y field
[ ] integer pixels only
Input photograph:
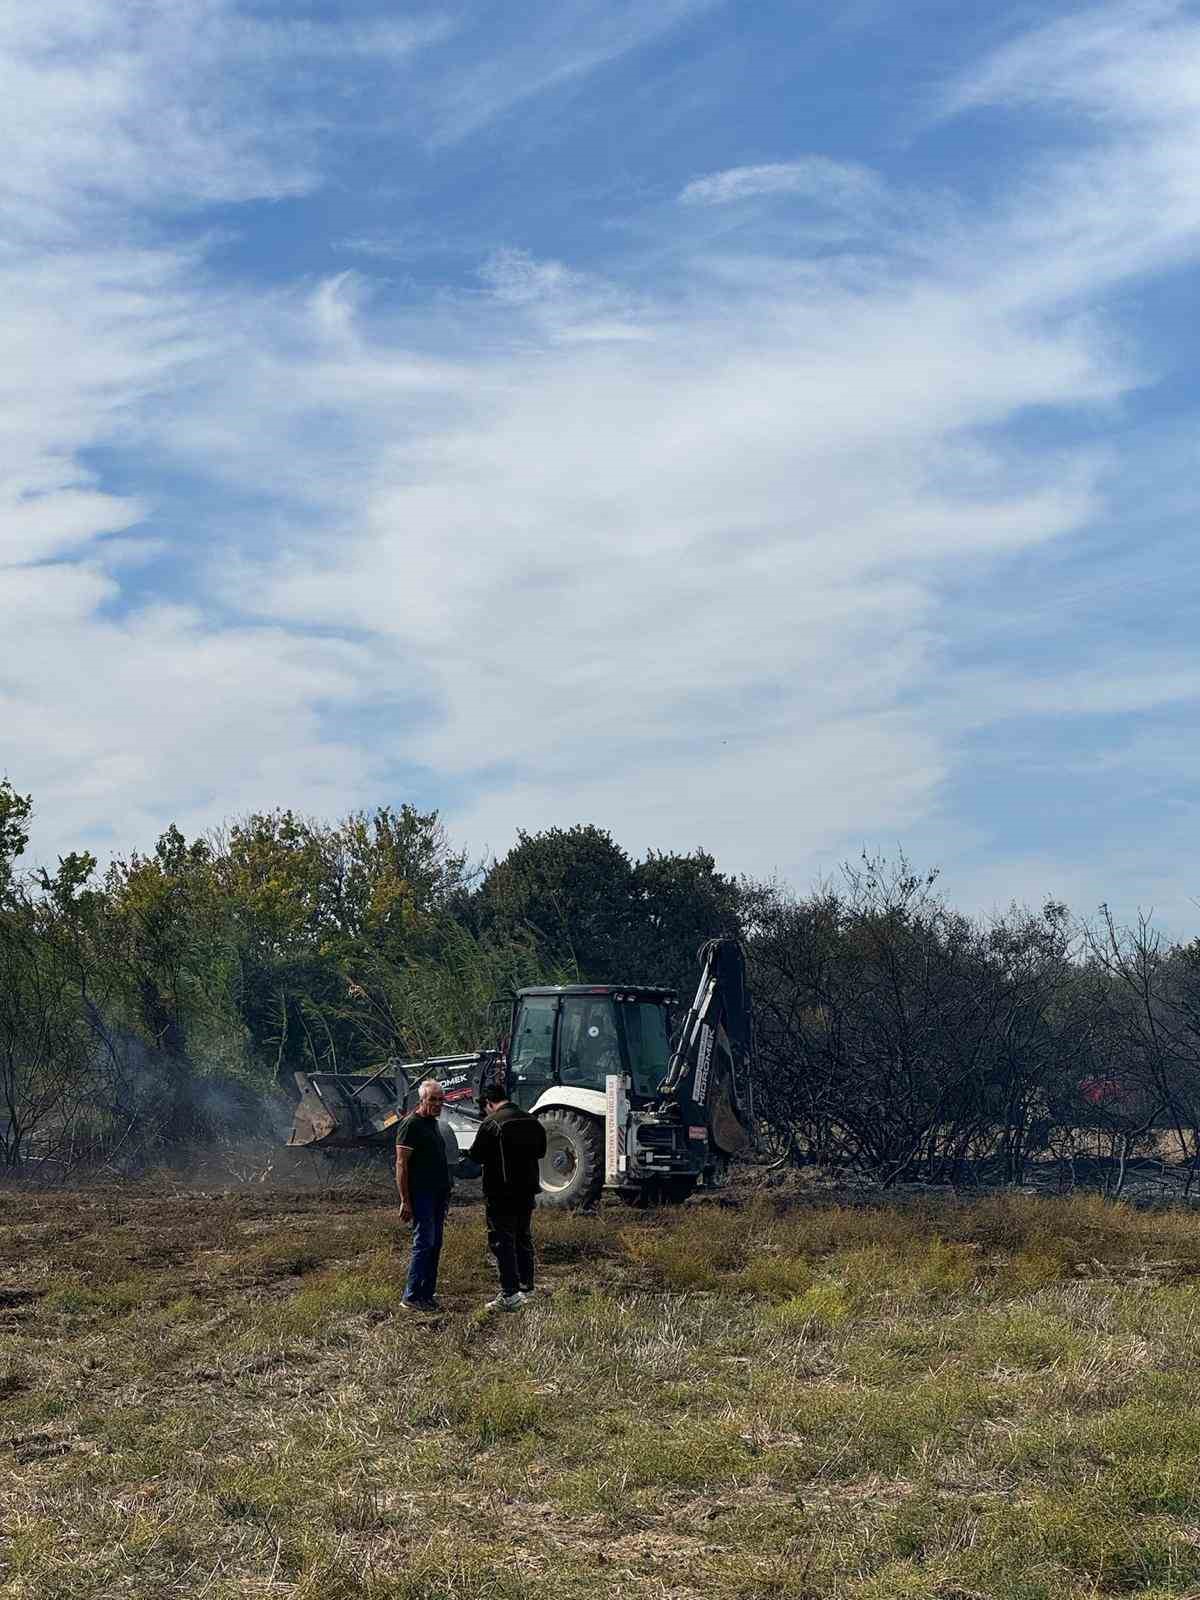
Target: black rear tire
[{"x": 572, "y": 1170}]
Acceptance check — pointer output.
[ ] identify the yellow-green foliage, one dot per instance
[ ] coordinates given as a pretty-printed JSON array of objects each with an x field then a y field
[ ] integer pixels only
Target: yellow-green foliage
[
  {"x": 502, "y": 1409},
  {"x": 689, "y": 1455},
  {"x": 822, "y": 1305}
]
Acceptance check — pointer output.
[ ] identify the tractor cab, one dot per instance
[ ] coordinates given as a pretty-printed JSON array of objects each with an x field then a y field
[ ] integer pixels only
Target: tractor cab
[{"x": 577, "y": 1036}]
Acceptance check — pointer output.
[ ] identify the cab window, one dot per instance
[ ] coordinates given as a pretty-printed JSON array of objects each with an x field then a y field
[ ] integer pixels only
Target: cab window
[
  {"x": 532, "y": 1058},
  {"x": 646, "y": 1042},
  {"x": 589, "y": 1049}
]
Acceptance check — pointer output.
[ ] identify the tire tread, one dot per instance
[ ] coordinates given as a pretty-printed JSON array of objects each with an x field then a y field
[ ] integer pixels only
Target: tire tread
[{"x": 588, "y": 1137}]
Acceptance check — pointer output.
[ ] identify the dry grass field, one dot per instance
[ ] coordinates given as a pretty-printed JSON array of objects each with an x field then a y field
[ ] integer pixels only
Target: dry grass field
[{"x": 214, "y": 1394}]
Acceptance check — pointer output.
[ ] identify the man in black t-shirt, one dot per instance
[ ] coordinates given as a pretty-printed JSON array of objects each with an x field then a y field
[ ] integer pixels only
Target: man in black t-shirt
[
  {"x": 423, "y": 1179},
  {"x": 508, "y": 1147}
]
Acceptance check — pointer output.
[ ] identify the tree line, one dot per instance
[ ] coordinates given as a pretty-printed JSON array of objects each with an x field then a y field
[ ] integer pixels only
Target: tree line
[{"x": 166, "y": 1001}]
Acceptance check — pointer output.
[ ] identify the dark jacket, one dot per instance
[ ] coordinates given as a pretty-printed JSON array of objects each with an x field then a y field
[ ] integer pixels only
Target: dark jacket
[{"x": 508, "y": 1147}]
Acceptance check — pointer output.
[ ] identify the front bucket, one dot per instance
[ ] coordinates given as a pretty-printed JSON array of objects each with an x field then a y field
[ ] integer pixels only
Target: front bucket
[
  {"x": 343, "y": 1110},
  {"x": 311, "y": 1122}
]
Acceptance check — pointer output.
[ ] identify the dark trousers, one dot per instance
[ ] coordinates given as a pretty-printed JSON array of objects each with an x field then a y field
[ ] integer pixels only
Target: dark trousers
[
  {"x": 511, "y": 1242},
  {"x": 429, "y": 1219}
]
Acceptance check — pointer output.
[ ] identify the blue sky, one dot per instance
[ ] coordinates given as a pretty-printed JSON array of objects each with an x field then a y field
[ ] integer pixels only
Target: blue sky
[{"x": 729, "y": 425}]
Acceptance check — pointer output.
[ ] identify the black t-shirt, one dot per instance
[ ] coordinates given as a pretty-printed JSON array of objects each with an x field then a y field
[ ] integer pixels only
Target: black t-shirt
[
  {"x": 508, "y": 1147},
  {"x": 428, "y": 1169}
]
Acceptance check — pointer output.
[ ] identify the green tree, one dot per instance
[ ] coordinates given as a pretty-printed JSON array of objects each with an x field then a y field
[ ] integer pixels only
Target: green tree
[
  {"x": 680, "y": 901},
  {"x": 573, "y": 891},
  {"x": 319, "y": 911},
  {"x": 15, "y": 813},
  {"x": 43, "y": 1033}
]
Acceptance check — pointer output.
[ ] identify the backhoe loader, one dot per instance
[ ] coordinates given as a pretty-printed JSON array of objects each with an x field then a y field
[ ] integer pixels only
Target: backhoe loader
[{"x": 623, "y": 1110}]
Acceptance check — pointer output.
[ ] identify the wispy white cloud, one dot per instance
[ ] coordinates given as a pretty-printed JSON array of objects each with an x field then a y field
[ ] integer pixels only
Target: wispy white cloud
[
  {"x": 86, "y": 336},
  {"x": 696, "y": 547},
  {"x": 119, "y": 711},
  {"x": 1126, "y": 64},
  {"x": 407, "y": 244},
  {"x": 1114, "y": 683},
  {"x": 1122, "y": 195},
  {"x": 839, "y": 184},
  {"x": 670, "y": 556},
  {"x": 567, "y": 305},
  {"x": 103, "y": 103},
  {"x": 118, "y": 725},
  {"x": 243, "y": 38},
  {"x": 540, "y": 48}
]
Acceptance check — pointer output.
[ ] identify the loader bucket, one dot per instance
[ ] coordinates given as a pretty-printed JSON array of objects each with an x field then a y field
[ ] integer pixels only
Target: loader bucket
[
  {"x": 311, "y": 1122},
  {"x": 338, "y": 1110}
]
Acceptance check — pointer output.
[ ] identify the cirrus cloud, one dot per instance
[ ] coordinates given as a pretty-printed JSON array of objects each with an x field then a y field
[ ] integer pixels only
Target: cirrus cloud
[{"x": 697, "y": 542}]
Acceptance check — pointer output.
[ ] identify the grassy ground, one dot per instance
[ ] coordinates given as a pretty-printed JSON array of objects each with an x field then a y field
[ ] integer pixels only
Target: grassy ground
[{"x": 215, "y": 1395}]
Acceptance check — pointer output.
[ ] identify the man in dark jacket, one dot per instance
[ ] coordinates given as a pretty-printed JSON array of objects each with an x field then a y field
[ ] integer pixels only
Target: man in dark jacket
[{"x": 508, "y": 1147}]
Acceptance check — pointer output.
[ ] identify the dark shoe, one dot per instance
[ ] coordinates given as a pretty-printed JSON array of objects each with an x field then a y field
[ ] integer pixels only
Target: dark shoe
[{"x": 420, "y": 1305}]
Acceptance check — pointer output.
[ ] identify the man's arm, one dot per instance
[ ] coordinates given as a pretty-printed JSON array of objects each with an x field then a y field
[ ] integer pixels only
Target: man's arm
[
  {"x": 480, "y": 1143},
  {"x": 403, "y": 1152}
]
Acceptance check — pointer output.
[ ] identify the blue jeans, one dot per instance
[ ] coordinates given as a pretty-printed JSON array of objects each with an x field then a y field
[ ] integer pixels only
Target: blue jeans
[{"x": 429, "y": 1219}]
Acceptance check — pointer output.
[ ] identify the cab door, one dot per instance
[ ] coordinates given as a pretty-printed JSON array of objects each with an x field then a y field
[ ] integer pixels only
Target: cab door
[{"x": 531, "y": 1057}]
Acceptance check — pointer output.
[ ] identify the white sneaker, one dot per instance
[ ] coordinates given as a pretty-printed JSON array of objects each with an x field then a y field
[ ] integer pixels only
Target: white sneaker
[{"x": 507, "y": 1302}]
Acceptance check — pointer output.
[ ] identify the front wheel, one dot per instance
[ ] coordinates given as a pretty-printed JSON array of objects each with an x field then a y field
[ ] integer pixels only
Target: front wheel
[{"x": 572, "y": 1170}]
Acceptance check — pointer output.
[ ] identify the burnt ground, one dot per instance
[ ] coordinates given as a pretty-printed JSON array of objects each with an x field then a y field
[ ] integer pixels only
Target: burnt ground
[{"x": 207, "y": 1388}]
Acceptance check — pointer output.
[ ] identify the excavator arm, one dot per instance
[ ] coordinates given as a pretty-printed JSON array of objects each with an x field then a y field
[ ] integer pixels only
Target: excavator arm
[{"x": 710, "y": 1071}]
